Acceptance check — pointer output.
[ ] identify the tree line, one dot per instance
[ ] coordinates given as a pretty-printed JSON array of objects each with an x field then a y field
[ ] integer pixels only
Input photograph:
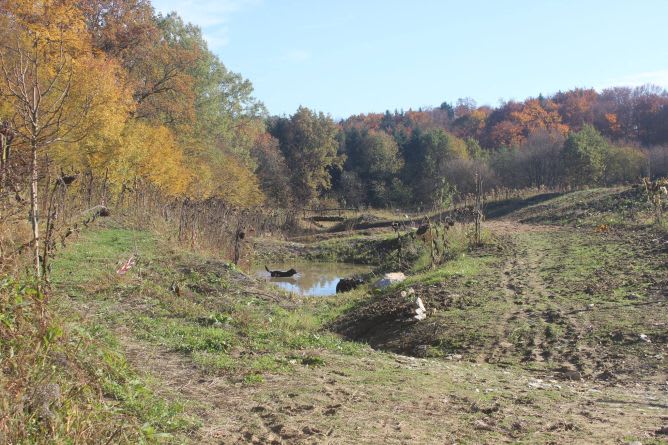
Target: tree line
[
  {"x": 570, "y": 139},
  {"x": 114, "y": 104}
]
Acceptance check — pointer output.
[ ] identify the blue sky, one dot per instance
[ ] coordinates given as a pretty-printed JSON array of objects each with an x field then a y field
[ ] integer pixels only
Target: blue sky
[{"x": 347, "y": 57}]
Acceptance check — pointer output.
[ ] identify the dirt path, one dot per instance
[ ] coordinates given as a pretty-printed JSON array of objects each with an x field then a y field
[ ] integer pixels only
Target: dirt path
[
  {"x": 394, "y": 399},
  {"x": 511, "y": 227},
  {"x": 521, "y": 288},
  {"x": 232, "y": 412},
  {"x": 207, "y": 397}
]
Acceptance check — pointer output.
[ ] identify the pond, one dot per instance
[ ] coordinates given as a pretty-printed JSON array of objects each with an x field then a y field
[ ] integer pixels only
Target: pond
[{"x": 312, "y": 279}]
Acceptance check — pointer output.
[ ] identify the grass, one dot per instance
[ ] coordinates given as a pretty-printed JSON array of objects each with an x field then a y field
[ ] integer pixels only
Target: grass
[
  {"x": 273, "y": 361},
  {"x": 616, "y": 207},
  {"x": 66, "y": 380},
  {"x": 103, "y": 397},
  {"x": 585, "y": 259},
  {"x": 223, "y": 333},
  {"x": 99, "y": 253},
  {"x": 463, "y": 266}
]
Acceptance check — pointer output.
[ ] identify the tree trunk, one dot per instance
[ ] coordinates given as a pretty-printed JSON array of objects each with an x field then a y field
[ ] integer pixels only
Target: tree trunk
[
  {"x": 51, "y": 214},
  {"x": 477, "y": 209},
  {"x": 34, "y": 217},
  {"x": 3, "y": 159}
]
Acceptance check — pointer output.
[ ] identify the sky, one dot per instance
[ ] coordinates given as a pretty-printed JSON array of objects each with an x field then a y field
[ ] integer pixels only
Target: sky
[{"x": 347, "y": 57}]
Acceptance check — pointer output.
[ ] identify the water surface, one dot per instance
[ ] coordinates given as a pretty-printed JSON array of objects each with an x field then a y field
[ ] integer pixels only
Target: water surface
[{"x": 312, "y": 279}]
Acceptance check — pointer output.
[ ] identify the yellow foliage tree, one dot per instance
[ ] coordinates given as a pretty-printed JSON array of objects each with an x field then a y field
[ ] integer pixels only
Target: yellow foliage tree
[
  {"x": 150, "y": 155},
  {"x": 49, "y": 77},
  {"x": 237, "y": 184},
  {"x": 225, "y": 177},
  {"x": 98, "y": 88}
]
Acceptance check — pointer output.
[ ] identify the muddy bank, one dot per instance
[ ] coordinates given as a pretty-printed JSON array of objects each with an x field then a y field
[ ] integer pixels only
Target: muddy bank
[{"x": 378, "y": 249}]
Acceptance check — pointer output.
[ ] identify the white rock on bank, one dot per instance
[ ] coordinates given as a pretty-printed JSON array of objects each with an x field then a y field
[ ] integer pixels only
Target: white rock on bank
[
  {"x": 420, "y": 312},
  {"x": 389, "y": 279}
]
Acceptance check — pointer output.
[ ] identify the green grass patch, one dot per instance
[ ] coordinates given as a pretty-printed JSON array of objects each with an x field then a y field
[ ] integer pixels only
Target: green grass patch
[
  {"x": 464, "y": 265},
  {"x": 98, "y": 254},
  {"x": 65, "y": 380}
]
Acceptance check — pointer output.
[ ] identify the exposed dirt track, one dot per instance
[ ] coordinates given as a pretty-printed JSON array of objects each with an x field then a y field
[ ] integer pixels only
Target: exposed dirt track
[
  {"x": 507, "y": 227},
  {"x": 396, "y": 399}
]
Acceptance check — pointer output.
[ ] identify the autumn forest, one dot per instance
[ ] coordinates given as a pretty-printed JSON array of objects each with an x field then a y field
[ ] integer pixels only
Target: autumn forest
[
  {"x": 128, "y": 101},
  {"x": 180, "y": 264}
]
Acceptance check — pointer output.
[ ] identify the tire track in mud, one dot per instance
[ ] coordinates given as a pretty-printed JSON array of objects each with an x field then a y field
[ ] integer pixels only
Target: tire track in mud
[
  {"x": 502, "y": 345},
  {"x": 540, "y": 292},
  {"x": 522, "y": 289}
]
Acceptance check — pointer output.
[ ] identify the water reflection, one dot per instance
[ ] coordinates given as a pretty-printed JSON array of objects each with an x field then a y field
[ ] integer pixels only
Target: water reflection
[{"x": 312, "y": 279}]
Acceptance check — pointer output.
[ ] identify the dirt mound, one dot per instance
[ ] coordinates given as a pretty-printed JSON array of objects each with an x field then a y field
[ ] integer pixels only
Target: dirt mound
[
  {"x": 379, "y": 322},
  {"x": 385, "y": 321}
]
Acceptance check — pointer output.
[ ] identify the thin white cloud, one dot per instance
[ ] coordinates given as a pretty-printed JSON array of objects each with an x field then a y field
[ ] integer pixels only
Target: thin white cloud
[
  {"x": 297, "y": 55},
  {"x": 213, "y": 16},
  {"x": 659, "y": 77}
]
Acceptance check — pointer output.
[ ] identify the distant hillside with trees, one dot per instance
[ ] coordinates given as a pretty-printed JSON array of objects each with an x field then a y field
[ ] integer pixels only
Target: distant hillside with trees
[{"x": 573, "y": 138}]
